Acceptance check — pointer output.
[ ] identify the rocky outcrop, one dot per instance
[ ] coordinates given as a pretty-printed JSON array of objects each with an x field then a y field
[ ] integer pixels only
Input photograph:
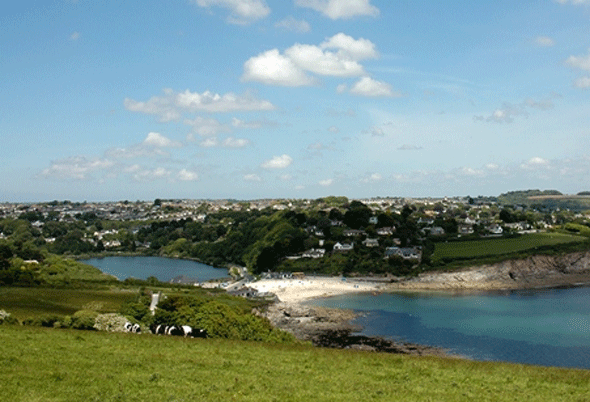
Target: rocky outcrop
[
  {"x": 533, "y": 272},
  {"x": 332, "y": 328}
]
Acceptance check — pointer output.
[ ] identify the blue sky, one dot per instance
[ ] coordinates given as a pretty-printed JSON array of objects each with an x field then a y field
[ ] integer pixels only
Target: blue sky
[{"x": 244, "y": 99}]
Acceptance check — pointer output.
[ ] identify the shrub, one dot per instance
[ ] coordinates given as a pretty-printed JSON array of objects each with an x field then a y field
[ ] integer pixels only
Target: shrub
[
  {"x": 7, "y": 318},
  {"x": 49, "y": 320},
  {"x": 84, "y": 319},
  {"x": 111, "y": 322}
]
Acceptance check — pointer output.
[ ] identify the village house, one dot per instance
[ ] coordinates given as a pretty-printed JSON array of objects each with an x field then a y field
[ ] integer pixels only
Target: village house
[
  {"x": 407, "y": 253},
  {"x": 371, "y": 243},
  {"x": 343, "y": 247}
]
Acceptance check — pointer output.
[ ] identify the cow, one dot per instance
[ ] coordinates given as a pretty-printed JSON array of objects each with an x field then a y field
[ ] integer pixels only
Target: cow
[
  {"x": 134, "y": 328},
  {"x": 184, "y": 330}
]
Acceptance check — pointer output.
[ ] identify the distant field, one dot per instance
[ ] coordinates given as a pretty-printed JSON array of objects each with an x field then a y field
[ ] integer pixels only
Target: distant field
[
  {"x": 41, "y": 364},
  {"x": 30, "y": 302},
  {"x": 500, "y": 246}
]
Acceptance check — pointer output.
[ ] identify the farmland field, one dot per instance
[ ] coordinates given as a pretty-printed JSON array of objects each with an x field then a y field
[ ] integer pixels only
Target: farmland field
[
  {"x": 28, "y": 302},
  {"x": 501, "y": 246},
  {"x": 42, "y": 364}
]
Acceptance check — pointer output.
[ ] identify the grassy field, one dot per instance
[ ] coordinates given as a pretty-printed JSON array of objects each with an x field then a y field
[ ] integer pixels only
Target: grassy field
[
  {"x": 501, "y": 246},
  {"x": 40, "y": 364},
  {"x": 31, "y": 302}
]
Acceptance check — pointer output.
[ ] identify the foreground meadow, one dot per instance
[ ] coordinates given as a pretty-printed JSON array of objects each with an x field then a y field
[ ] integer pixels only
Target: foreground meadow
[{"x": 41, "y": 364}]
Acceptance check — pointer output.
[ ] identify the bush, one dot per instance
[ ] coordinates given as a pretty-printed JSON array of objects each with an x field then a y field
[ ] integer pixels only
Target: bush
[
  {"x": 84, "y": 319},
  {"x": 111, "y": 322},
  {"x": 7, "y": 318},
  {"x": 49, "y": 320}
]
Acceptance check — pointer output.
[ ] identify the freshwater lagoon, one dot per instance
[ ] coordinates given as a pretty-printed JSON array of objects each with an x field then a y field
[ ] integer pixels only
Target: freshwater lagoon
[
  {"x": 549, "y": 327},
  {"x": 165, "y": 269}
]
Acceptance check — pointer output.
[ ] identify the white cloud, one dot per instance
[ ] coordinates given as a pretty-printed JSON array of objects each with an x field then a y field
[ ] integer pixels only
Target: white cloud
[
  {"x": 544, "y": 41},
  {"x": 508, "y": 112},
  {"x": 237, "y": 123},
  {"x": 376, "y": 132},
  {"x": 272, "y": 68},
  {"x": 408, "y": 147},
  {"x": 158, "y": 140},
  {"x": 535, "y": 163},
  {"x": 232, "y": 142},
  {"x": 580, "y": 62},
  {"x": 278, "y": 162},
  {"x": 337, "y": 56},
  {"x": 242, "y": 11},
  {"x": 326, "y": 183},
  {"x": 187, "y": 175},
  {"x": 574, "y": 2},
  {"x": 582, "y": 82},
  {"x": 286, "y": 177},
  {"x": 75, "y": 36},
  {"x": 341, "y": 9},
  {"x": 205, "y": 127},
  {"x": 209, "y": 142},
  {"x": 372, "y": 178},
  {"x": 291, "y": 24},
  {"x": 333, "y": 129},
  {"x": 172, "y": 105},
  {"x": 367, "y": 86},
  {"x": 151, "y": 175},
  {"x": 341, "y": 88},
  {"x": 252, "y": 177},
  {"x": 356, "y": 49},
  {"x": 77, "y": 167}
]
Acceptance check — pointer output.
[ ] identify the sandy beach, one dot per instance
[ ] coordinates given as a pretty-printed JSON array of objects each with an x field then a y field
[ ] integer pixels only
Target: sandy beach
[{"x": 300, "y": 290}]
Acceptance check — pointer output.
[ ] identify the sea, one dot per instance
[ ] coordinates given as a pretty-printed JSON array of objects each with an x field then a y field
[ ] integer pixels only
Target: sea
[
  {"x": 547, "y": 327},
  {"x": 165, "y": 269}
]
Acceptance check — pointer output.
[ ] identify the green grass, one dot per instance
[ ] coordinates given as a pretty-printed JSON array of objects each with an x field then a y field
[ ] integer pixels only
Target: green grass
[
  {"x": 40, "y": 364},
  {"x": 31, "y": 302},
  {"x": 501, "y": 246}
]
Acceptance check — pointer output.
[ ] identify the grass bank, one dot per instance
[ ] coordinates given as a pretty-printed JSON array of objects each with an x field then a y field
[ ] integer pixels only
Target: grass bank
[{"x": 68, "y": 365}]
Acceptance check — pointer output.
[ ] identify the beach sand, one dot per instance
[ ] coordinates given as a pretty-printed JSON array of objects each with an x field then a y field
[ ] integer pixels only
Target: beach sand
[{"x": 295, "y": 291}]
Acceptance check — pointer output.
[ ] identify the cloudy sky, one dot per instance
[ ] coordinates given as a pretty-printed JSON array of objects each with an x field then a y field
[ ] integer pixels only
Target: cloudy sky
[{"x": 244, "y": 99}]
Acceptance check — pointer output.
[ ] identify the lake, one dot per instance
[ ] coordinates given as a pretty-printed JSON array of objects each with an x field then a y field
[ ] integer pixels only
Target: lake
[
  {"x": 165, "y": 269},
  {"x": 549, "y": 327}
]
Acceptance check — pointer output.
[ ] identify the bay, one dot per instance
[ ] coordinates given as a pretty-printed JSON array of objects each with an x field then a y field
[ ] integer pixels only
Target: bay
[
  {"x": 549, "y": 327},
  {"x": 165, "y": 269}
]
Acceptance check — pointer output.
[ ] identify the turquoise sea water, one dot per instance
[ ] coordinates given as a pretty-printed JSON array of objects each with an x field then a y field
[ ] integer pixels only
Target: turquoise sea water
[
  {"x": 545, "y": 327},
  {"x": 165, "y": 269}
]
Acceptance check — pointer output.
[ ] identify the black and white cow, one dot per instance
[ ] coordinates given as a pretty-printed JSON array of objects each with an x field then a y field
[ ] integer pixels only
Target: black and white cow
[
  {"x": 134, "y": 328},
  {"x": 184, "y": 330}
]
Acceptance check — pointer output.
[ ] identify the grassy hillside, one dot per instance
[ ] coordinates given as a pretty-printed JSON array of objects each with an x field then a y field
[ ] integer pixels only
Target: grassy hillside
[
  {"x": 496, "y": 249},
  {"x": 41, "y": 364}
]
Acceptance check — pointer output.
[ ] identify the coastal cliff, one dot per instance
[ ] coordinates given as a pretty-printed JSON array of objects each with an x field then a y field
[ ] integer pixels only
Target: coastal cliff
[{"x": 533, "y": 272}]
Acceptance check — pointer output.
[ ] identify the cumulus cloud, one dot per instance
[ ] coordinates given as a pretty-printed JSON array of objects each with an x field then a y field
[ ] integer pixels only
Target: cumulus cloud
[
  {"x": 326, "y": 183},
  {"x": 75, "y": 36},
  {"x": 273, "y": 68},
  {"x": 372, "y": 178},
  {"x": 187, "y": 175},
  {"x": 582, "y": 82},
  {"x": 340, "y": 9},
  {"x": 367, "y": 86},
  {"x": 291, "y": 24},
  {"x": 158, "y": 140},
  {"x": 252, "y": 177},
  {"x": 242, "y": 11},
  {"x": 544, "y": 41},
  {"x": 152, "y": 146},
  {"x": 151, "y": 174},
  {"x": 508, "y": 111},
  {"x": 209, "y": 142},
  {"x": 408, "y": 147},
  {"x": 278, "y": 162},
  {"x": 574, "y": 2},
  {"x": 535, "y": 163},
  {"x": 581, "y": 63},
  {"x": 333, "y": 129},
  {"x": 171, "y": 105},
  {"x": 77, "y": 168},
  {"x": 205, "y": 127},
  {"x": 338, "y": 56},
  {"x": 232, "y": 142}
]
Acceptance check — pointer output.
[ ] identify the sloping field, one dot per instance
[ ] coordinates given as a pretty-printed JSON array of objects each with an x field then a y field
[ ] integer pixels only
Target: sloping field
[
  {"x": 40, "y": 364},
  {"x": 500, "y": 246},
  {"x": 30, "y": 302}
]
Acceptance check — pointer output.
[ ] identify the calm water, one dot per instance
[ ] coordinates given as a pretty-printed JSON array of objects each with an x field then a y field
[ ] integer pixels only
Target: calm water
[
  {"x": 543, "y": 327},
  {"x": 165, "y": 269}
]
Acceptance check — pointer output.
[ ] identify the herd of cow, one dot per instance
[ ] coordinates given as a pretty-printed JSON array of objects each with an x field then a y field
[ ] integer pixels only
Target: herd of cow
[{"x": 180, "y": 330}]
